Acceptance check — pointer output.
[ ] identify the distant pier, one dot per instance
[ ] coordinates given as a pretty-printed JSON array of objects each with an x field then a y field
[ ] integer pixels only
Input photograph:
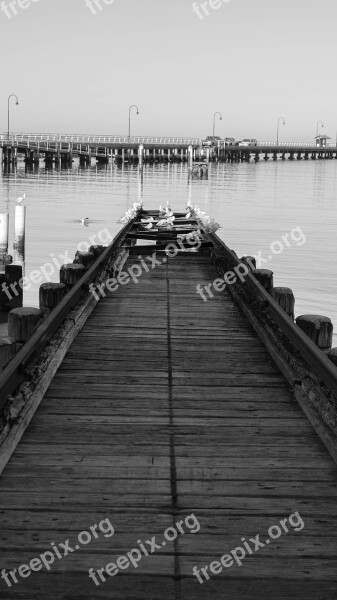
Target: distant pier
[{"x": 60, "y": 150}]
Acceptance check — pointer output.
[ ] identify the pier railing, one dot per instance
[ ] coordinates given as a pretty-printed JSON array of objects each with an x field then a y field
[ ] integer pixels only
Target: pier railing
[
  {"x": 13, "y": 374},
  {"x": 95, "y": 139},
  {"x": 315, "y": 358}
]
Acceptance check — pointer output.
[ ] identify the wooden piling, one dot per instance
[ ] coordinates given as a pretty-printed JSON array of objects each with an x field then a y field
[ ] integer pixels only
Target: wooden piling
[
  {"x": 7, "y": 350},
  {"x": 4, "y": 224},
  {"x": 332, "y": 354},
  {"x": 50, "y": 294},
  {"x": 249, "y": 261},
  {"x": 22, "y": 322},
  {"x": 13, "y": 275},
  {"x": 265, "y": 277},
  {"x": 285, "y": 298},
  {"x": 71, "y": 274},
  {"x": 96, "y": 250},
  {"x": 20, "y": 225},
  {"x": 318, "y": 328},
  {"x": 84, "y": 258}
]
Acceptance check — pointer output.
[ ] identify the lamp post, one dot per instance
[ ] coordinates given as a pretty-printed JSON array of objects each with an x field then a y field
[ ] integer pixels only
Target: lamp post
[
  {"x": 318, "y": 122},
  {"x": 137, "y": 113},
  {"x": 17, "y": 102},
  {"x": 216, "y": 113},
  {"x": 278, "y": 125}
]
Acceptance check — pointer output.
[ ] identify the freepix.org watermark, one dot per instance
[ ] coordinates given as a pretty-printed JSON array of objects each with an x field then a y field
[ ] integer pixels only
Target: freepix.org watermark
[
  {"x": 144, "y": 549},
  {"x": 57, "y": 551},
  {"x": 46, "y": 272},
  {"x": 146, "y": 264},
  {"x": 253, "y": 545},
  {"x": 11, "y": 9},
  {"x": 296, "y": 235},
  {"x": 202, "y": 9},
  {"x": 96, "y": 6}
]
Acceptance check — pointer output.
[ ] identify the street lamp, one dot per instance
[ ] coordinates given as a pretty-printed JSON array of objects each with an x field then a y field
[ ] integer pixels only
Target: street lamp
[
  {"x": 17, "y": 102},
  {"x": 319, "y": 122},
  {"x": 278, "y": 124},
  {"x": 216, "y": 113},
  {"x": 137, "y": 113}
]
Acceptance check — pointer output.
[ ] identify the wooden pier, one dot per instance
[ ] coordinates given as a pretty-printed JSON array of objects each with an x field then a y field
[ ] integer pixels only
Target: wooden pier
[
  {"x": 60, "y": 150},
  {"x": 164, "y": 406}
]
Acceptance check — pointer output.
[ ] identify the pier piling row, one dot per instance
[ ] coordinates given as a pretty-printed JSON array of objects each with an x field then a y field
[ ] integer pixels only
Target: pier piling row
[{"x": 61, "y": 150}]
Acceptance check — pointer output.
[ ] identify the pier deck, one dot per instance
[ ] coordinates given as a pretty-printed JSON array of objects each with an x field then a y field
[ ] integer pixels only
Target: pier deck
[{"x": 166, "y": 406}]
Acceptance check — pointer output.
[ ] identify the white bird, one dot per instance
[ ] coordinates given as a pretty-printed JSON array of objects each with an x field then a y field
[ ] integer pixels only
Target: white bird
[
  {"x": 150, "y": 220},
  {"x": 149, "y": 226},
  {"x": 21, "y": 198},
  {"x": 84, "y": 220},
  {"x": 188, "y": 215}
]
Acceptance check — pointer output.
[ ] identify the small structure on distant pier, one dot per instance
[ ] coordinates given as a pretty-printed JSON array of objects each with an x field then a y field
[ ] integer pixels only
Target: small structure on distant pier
[{"x": 321, "y": 140}]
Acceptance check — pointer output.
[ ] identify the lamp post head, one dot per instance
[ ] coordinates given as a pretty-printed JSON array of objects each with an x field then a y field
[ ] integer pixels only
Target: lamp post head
[{"x": 17, "y": 103}]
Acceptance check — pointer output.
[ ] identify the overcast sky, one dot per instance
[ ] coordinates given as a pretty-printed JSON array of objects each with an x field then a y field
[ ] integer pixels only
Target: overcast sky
[{"x": 253, "y": 60}]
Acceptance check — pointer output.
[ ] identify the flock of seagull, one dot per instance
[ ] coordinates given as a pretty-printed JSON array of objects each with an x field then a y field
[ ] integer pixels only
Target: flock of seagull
[{"x": 166, "y": 218}]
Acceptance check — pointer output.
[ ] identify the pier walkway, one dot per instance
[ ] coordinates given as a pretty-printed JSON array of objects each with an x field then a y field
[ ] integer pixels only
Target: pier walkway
[{"x": 164, "y": 407}]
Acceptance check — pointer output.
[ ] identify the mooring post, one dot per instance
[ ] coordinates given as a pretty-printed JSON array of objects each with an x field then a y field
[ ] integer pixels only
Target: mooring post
[
  {"x": 190, "y": 156},
  {"x": 71, "y": 274},
  {"x": 84, "y": 258},
  {"x": 19, "y": 226},
  {"x": 22, "y": 322},
  {"x": 7, "y": 350},
  {"x": 140, "y": 154},
  {"x": 318, "y": 328},
  {"x": 4, "y": 223},
  {"x": 332, "y": 354},
  {"x": 265, "y": 278},
  {"x": 285, "y": 298},
  {"x": 13, "y": 275},
  {"x": 249, "y": 261},
  {"x": 50, "y": 294}
]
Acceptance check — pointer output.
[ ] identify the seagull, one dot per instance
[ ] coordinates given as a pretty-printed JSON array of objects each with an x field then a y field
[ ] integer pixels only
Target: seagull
[
  {"x": 149, "y": 226},
  {"x": 84, "y": 220},
  {"x": 21, "y": 198}
]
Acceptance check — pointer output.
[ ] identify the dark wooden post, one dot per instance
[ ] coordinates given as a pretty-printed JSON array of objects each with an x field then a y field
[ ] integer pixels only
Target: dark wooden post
[
  {"x": 7, "y": 351},
  {"x": 50, "y": 294},
  {"x": 22, "y": 322},
  {"x": 318, "y": 328},
  {"x": 84, "y": 258},
  {"x": 265, "y": 277},
  {"x": 285, "y": 298},
  {"x": 71, "y": 274}
]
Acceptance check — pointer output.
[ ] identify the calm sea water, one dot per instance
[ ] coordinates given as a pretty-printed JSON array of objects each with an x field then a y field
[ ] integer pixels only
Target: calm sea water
[{"x": 256, "y": 204}]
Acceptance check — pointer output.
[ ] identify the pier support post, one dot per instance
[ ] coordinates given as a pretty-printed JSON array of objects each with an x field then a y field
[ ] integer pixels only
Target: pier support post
[
  {"x": 71, "y": 274},
  {"x": 13, "y": 274},
  {"x": 141, "y": 154},
  {"x": 285, "y": 298},
  {"x": 50, "y": 294},
  {"x": 265, "y": 277},
  {"x": 332, "y": 354},
  {"x": 318, "y": 328},
  {"x": 190, "y": 156},
  {"x": 249, "y": 261},
  {"x": 22, "y": 322},
  {"x": 7, "y": 351},
  {"x": 4, "y": 224},
  {"x": 19, "y": 226},
  {"x": 84, "y": 258}
]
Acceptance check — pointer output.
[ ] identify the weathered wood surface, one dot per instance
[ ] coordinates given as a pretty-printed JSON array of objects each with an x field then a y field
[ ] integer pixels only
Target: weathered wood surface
[{"x": 165, "y": 406}]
